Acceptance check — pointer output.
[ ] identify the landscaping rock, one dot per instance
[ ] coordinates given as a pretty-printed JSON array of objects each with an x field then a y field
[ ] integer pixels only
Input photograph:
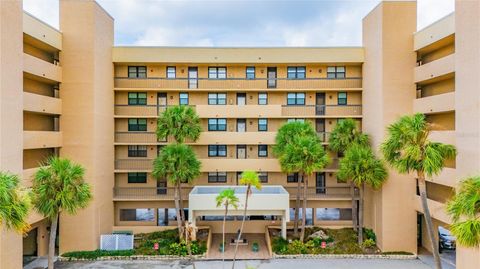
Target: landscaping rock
[{"x": 319, "y": 234}]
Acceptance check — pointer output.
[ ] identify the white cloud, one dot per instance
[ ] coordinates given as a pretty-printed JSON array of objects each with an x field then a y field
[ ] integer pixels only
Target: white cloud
[{"x": 239, "y": 22}]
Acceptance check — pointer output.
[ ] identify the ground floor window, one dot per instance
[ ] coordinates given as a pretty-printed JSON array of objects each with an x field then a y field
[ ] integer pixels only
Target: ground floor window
[
  {"x": 137, "y": 214},
  {"x": 217, "y": 218},
  {"x": 333, "y": 213},
  {"x": 309, "y": 220},
  {"x": 165, "y": 215}
]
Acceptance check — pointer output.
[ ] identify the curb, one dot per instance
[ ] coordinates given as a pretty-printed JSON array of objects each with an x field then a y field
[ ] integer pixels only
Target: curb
[{"x": 346, "y": 256}]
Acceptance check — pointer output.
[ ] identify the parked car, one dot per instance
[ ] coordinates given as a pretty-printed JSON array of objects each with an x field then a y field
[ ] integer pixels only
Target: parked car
[{"x": 446, "y": 239}]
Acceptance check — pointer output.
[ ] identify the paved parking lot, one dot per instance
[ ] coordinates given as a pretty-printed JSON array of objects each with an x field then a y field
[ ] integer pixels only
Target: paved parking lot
[{"x": 266, "y": 264}]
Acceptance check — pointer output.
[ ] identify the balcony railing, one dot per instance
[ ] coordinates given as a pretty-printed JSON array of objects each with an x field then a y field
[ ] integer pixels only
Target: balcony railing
[
  {"x": 134, "y": 164},
  {"x": 321, "y": 110},
  {"x": 136, "y": 137},
  {"x": 143, "y": 110},
  {"x": 237, "y": 83},
  {"x": 148, "y": 193},
  {"x": 323, "y": 193}
]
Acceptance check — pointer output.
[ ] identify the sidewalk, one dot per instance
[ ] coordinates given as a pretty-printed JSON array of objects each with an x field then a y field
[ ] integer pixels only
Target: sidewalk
[{"x": 448, "y": 258}]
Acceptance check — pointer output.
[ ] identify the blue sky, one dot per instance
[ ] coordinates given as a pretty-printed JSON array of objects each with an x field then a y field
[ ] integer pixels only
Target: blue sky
[{"x": 239, "y": 22}]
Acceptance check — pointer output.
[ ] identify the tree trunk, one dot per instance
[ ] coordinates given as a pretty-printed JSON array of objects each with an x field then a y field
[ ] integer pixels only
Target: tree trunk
[
  {"x": 181, "y": 204},
  {"x": 51, "y": 243},
  {"x": 297, "y": 208},
  {"x": 354, "y": 208},
  {"x": 304, "y": 208},
  {"x": 241, "y": 226},
  {"x": 223, "y": 235},
  {"x": 428, "y": 219},
  {"x": 189, "y": 248},
  {"x": 360, "y": 214},
  {"x": 179, "y": 218}
]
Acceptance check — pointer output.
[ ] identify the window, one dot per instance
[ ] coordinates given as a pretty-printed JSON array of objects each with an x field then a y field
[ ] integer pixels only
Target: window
[
  {"x": 333, "y": 213},
  {"x": 217, "y": 177},
  {"x": 137, "y": 151},
  {"x": 262, "y": 150},
  {"x": 217, "y": 72},
  {"x": 137, "y": 98},
  {"x": 262, "y": 98},
  {"x": 165, "y": 215},
  {"x": 217, "y": 150},
  {"x": 137, "y": 125},
  {"x": 262, "y": 125},
  {"x": 342, "y": 98},
  {"x": 336, "y": 72},
  {"x": 309, "y": 215},
  {"x": 217, "y": 124},
  {"x": 171, "y": 72},
  {"x": 263, "y": 176},
  {"x": 296, "y": 119},
  {"x": 137, "y": 71},
  {"x": 138, "y": 214},
  {"x": 296, "y": 72},
  {"x": 183, "y": 98},
  {"x": 291, "y": 178},
  {"x": 296, "y": 98},
  {"x": 250, "y": 72},
  {"x": 137, "y": 177},
  {"x": 217, "y": 98}
]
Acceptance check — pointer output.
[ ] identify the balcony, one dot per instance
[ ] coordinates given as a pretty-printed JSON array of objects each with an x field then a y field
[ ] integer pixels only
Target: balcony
[
  {"x": 27, "y": 176},
  {"x": 41, "y": 139},
  {"x": 42, "y": 69},
  {"x": 446, "y": 177},
  {"x": 234, "y": 111},
  {"x": 435, "y": 104},
  {"x": 235, "y": 138},
  {"x": 147, "y": 193},
  {"x": 324, "y": 193},
  {"x": 126, "y": 111},
  {"x": 138, "y": 138},
  {"x": 134, "y": 165},
  {"x": 435, "y": 70},
  {"x": 354, "y": 111},
  {"x": 236, "y": 83},
  {"x": 437, "y": 209},
  {"x": 446, "y": 137},
  {"x": 41, "y": 104}
]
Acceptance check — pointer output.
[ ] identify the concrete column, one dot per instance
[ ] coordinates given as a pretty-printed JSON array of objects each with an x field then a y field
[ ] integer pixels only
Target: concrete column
[
  {"x": 11, "y": 115},
  {"x": 43, "y": 235},
  {"x": 284, "y": 226}
]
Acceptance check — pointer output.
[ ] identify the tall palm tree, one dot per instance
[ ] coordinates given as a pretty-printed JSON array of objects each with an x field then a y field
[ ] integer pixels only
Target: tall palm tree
[
  {"x": 59, "y": 185},
  {"x": 305, "y": 155},
  {"x": 345, "y": 134},
  {"x": 249, "y": 179},
  {"x": 179, "y": 122},
  {"x": 408, "y": 149},
  {"x": 226, "y": 198},
  {"x": 362, "y": 167},
  {"x": 179, "y": 164},
  {"x": 285, "y": 136},
  {"x": 464, "y": 208},
  {"x": 14, "y": 204},
  {"x": 182, "y": 123}
]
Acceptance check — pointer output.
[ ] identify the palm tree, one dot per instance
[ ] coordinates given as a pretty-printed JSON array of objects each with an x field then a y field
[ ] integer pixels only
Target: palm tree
[
  {"x": 180, "y": 122},
  {"x": 304, "y": 155},
  {"x": 14, "y": 205},
  {"x": 345, "y": 134},
  {"x": 408, "y": 149},
  {"x": 362, "y": 167},
  {"x": 59, "y": 186},
  {"x": 464, "y": 208},
  {"x": 226, "y": 198},
  {"x": 179, "y": 164},
  {"x": 249, "y": 179},
  {"x": 285, "y": 136}
]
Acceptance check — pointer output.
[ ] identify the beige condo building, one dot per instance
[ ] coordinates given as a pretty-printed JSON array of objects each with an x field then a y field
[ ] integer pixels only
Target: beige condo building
[{"x": 81, "y": 97}]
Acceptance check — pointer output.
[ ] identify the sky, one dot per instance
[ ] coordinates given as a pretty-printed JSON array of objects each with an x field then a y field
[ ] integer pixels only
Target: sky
[{"x": 223, "y": 23}]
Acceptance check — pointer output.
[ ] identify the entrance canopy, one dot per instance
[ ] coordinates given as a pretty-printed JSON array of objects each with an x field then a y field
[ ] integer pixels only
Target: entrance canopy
[{"x": 270, "y": 200}]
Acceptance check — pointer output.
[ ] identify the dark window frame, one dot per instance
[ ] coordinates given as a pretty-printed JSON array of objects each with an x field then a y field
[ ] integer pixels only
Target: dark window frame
[
  {"x": 263, "y": 176},
  {"x": 264, "y": 126},
  {"x": 137, "y": 127},
  {"x": 296, "y": 99},
  {"x": 217, "y": 177},
  {"x": 293, "y": 178},
  {"x": 215, "y": 127},
  {"x": 217, "y": 149},
  {"x": 216, "y": 68},
  {"x": 266, "y": 98},
  {"x": 336, "y": 74},
  {"x": 174, "y": 72},
  {"x": 137, "y": 71},
  {"x": 136, "y": 177},
  {"x": 137, "y": 151},
  {"x": 216, "y": 99},
  {"x": 180, "y": 98},
  {"x": 295, "y": 70},
  {"x": 249, "y": 73},
  {"x": 266, "y": 150},
  {"x": 136, "y": 101},
  {"x": 342, "y": 101}
]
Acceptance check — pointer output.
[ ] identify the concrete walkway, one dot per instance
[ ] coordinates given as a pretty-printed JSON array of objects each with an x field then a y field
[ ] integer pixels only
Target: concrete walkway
[
  {"x": 244, "y": 252},
  {"x": 263, "y": 264},
  {"x": 447, "y": 256}
]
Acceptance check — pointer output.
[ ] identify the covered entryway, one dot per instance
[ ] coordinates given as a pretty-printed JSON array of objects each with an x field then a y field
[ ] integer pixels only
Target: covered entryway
[{"x": 254, "y": 249}]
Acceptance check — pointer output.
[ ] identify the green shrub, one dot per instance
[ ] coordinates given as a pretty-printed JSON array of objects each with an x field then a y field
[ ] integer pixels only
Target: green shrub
[
  {"x": 280, "y": 245},
  {"x": 370, "y": 234},
  {"x": 180, "y": 249},
  {"x": 91, "y": 255},
  {"x": 368, "y": 243},
  {"x": 297, "y": 247}
]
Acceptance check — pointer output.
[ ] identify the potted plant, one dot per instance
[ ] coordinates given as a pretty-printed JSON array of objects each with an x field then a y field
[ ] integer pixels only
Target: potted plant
[
  {"x": 221, "y": 247},
  {"x": 255, "y": 247}
]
